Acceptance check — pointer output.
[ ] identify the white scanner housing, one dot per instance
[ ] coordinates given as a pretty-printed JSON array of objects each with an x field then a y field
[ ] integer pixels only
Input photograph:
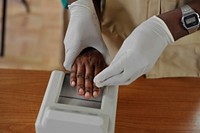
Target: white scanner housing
[{"x": 64, "y": 111}]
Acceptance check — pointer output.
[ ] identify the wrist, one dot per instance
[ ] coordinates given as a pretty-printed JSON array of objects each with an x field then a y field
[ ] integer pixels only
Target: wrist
[
  {"x": 195, "y": 5},
  {"x": 91, "y": 7},
  {"x": 173, "y": 20},
  {"x": 71, "y": 1}
]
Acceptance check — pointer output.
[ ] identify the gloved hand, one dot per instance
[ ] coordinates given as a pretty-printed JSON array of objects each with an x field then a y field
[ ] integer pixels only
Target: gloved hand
[
  {"x": 83, "y": 31},
  {"x": 138, "y": 53}
]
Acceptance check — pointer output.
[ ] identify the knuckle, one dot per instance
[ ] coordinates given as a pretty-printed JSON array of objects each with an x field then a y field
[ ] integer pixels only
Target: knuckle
[
  {"x": 72, "y": 72},
  {"x": 89, "y": 77},
  {"x": 88, "y": 89},
  {"x": 80, "y": 85},
  {"x": 80, "y": 75}
]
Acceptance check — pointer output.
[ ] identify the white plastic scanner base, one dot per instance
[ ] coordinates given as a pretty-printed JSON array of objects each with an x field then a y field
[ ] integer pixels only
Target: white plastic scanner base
[{"x": 63, "y": 111}]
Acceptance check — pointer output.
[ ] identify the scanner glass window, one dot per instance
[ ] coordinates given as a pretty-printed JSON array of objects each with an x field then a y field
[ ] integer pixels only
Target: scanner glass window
[{"x": 68, "y": 95}]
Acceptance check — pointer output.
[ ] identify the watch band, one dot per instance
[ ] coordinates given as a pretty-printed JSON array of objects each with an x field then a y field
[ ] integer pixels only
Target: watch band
[{"x": 187, "y": 10}]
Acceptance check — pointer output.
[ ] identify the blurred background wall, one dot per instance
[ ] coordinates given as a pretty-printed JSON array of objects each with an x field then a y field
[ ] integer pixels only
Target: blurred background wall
[{"x": 34, "y": 35}]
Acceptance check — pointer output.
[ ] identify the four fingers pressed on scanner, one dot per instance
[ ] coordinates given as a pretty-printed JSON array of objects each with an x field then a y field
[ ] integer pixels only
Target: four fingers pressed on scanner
[
  {"x": 83, "y": 71},
  {"x": 82, "y": 76}
]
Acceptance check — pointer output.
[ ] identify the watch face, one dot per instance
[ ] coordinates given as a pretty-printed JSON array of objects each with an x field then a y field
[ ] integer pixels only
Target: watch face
[{"x": 191, "y": 20}]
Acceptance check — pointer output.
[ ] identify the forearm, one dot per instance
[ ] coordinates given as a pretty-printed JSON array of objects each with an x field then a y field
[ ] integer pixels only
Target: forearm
[
  {"x": 173, "y": 20},
  {"x": 97, "y": 4}
]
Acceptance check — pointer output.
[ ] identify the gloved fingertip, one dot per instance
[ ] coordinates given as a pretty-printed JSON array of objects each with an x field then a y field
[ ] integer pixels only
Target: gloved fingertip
[
  {"x": 98, "y": 81},
  {"x": 99, "y": 84},
  {"x": 101, "y": 77}
]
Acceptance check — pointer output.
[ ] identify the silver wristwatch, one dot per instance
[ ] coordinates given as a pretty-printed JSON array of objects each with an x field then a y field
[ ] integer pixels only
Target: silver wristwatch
[{"x": 190, "y": 19}]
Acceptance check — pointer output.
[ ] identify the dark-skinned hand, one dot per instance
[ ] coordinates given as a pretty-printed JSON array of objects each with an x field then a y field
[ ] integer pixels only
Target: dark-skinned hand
[{"x": 86, "y": 66}]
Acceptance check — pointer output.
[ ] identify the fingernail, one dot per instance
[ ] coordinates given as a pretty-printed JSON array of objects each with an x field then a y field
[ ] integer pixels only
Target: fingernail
[
  {"x": 73, "y": 83},
  {"x": 80, "y": 91},
  {"x": 95, "y": 94},
  {"x": 87, "y": 95}
]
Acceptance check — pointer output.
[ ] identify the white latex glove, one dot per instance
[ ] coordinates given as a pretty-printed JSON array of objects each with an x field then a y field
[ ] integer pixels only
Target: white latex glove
[
  {"x": 138, "y": 53},
  {"x": 83, "y": 31}
]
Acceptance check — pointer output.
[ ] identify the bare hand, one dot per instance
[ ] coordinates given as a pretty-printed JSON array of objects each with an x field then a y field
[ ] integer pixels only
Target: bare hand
[{"x": 86, "y": 66}]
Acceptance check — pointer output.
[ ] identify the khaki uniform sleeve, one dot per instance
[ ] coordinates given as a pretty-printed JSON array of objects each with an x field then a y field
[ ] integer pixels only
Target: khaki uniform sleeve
[{"x": 181, "y": 59}]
